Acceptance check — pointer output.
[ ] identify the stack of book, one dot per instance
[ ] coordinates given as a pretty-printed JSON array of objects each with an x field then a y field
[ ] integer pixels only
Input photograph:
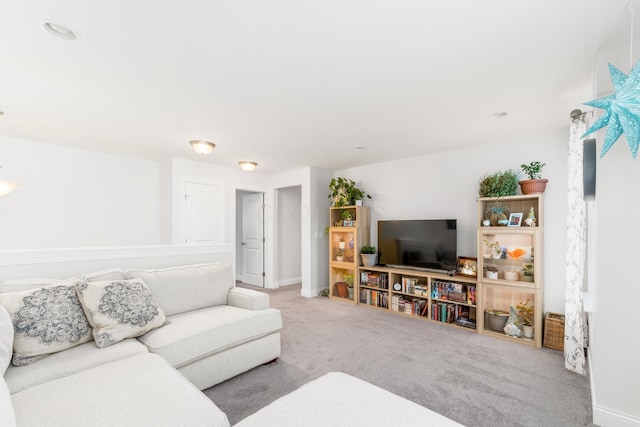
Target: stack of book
[
  {"x": 451, "y": 291},
  {"x": 375, "y": 280}
]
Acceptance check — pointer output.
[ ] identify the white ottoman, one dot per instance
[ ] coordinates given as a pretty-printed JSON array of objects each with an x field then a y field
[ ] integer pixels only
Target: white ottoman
[{"x": 338, "y": 399}]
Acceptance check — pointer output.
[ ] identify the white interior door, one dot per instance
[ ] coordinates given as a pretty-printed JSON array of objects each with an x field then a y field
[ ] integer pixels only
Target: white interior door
[
  {"x": 200, "y": 208},
  {"x": 253, "y": 239}
]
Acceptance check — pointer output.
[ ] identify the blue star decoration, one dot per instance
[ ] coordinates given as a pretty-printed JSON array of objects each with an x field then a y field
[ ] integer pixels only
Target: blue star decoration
[{"x": 622, "y": 110}]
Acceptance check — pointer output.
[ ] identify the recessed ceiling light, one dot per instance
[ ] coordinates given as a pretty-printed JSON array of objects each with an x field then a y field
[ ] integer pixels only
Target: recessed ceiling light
[
  {"x": 498, "y": 115},
  {"x": 358, "y": 148},
  {"x": 60, "y": 31}
]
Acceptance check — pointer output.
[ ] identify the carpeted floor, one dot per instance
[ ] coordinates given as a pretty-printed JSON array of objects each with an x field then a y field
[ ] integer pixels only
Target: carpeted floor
[{"x": 473, "y": 379}]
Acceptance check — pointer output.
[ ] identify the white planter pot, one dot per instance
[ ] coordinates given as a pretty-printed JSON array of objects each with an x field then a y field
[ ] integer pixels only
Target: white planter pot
[
  {"x": 511, "y": 275},
  {"x": 527, "y": 331},
  {"x": 369, "y": 260}
]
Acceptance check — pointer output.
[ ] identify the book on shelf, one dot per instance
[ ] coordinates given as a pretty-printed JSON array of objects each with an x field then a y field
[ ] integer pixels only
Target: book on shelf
[
  {"x": 375, "y": 280},
  {"x": 452, "y": 291}
]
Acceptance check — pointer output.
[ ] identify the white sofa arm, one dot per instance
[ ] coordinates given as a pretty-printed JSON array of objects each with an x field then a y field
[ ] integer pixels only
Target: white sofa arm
[{"x": 248, "y": 298}]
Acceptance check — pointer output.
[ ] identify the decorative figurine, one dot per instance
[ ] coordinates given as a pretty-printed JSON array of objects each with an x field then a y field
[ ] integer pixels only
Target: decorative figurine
[{"x": 531, "y": 218}]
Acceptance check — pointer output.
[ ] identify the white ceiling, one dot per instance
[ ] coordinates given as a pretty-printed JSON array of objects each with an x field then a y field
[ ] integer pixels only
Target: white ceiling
[{"x": 291, "y": 83}]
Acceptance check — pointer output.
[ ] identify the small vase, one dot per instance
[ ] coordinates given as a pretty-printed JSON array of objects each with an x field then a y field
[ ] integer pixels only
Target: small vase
[{"x": 341, "y": 245}]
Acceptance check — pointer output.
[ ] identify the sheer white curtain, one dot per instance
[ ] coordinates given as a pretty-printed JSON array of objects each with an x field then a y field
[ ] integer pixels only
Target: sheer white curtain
[{"x": 574, "y": 329}]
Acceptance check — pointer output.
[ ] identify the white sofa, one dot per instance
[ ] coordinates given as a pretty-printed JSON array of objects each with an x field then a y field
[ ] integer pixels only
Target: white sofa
[{"x": 213, "y": 332}]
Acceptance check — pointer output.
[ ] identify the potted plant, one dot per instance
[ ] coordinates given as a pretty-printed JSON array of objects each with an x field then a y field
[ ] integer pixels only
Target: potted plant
[
  {"x": 527, "y": 273},
  {"x": 369, "y": 256},
  {"x": 535, "y": 184},
  {"x": 498, "y": 215},
  {"x": 497, "y": 319},
  {"x": 340, "y": 255},
  {"x": 344, "y": 192},
  {"x": 495, "y": 250},
  {"x": 348, "y": 279},
  {"x": 499, "y": 184},
  {"x": 347, "y": 217},
  {"x": 525, "y": 312}
]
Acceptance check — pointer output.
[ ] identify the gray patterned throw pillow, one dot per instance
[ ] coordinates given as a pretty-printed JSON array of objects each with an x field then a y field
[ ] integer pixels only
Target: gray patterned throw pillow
[
  {"x": 119, "y": 309},
  {"x": 45, "y": 321}
]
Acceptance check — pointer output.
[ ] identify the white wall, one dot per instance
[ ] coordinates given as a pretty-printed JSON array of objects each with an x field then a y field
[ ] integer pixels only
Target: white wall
[
  {"x": 613, "y": 346},
  {"x": 445, "y": 185},
  {"x": 75, "y": 198},
  {"x": 314, "y": 218},
  {"x": 289, "y": 234}
]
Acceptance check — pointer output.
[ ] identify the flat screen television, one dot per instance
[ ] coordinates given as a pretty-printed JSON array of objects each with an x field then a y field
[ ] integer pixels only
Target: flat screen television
[{"x": 429, "y": 244}]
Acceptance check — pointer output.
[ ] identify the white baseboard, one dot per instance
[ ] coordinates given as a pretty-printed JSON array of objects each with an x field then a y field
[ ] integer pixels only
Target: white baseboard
[
  {"x": 606, "y": 417},
  {"x": 289, "y": 282}
]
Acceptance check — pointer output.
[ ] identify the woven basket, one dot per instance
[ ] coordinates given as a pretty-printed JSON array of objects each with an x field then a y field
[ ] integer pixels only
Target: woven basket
[{"x": 554, "y": 331}]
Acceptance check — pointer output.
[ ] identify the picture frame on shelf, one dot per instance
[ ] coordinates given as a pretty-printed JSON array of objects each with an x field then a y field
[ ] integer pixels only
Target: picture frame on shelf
[
  {"x": 515, "y": 219},
  {"x": 467, "y": 266}
]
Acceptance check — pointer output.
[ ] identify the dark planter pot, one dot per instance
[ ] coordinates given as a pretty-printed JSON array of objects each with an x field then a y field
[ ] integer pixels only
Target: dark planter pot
[
  {"x": 531, "y": 186},
  {"x": 497, "y": 321},
  {"x": 342, "y": 290}
]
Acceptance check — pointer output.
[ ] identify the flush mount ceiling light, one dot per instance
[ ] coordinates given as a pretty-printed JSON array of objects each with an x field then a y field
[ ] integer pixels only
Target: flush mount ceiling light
[
  {"x": 61, "y": 31},
  {"x": 247, "y": 166},
  {"x": 359, "y": 148},
  {"x": 7, "y": 187},
  {"x": 202, "y": 147},
  {"x": 498, "y": 115}
]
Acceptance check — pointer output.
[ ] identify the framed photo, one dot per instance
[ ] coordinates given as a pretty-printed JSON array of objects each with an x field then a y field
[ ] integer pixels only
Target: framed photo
[
  {"x": 467, "y": 266},
  {"x": 515, "y": 219}
]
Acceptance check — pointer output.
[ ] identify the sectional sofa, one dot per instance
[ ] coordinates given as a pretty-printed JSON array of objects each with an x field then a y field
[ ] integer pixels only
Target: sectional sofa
[{"x": 129, "y": 347}]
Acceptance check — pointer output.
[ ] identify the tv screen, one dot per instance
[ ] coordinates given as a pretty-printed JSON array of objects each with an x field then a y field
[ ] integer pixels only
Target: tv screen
[{"x": 423, "y": 244}]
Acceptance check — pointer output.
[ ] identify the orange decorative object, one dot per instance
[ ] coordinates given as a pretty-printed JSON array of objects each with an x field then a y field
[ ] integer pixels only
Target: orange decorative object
[{"x": 516, "y": 253}]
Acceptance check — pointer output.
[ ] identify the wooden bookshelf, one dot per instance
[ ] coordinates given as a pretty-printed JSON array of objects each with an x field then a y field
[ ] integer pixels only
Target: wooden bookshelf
[
  {"x": 429, "y": 296},
  {"x": 348, "y": 233}
]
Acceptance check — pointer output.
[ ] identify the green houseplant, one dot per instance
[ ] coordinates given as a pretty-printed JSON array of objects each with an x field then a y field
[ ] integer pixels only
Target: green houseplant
[
  {"x": 499, "y": 184},
  {"x": 348, "y": 279},
  {"x": 344, "y": 192},
  {"x": 525, "y": 312},
  {"x": 535, "y": 184},
  {"x": 369, "y": 256},
  {"x": 527, "y": 273}
]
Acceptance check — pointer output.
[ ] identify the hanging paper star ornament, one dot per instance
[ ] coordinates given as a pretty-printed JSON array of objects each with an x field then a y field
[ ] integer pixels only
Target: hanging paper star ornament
[{"x": 622, "y": 110}]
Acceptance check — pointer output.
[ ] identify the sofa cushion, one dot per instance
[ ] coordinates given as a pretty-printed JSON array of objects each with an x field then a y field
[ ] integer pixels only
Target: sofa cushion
[
  {"x": 119, "y": 309},
  {"x": 45, "y": 320},
  {"x": 6, "y": 340},
  {"x": 26, "y": 284},
  {"x": 137, "y": 391},
  {"x": 69, "y": 362},
  {"x": 194, "y": 335},
  {"x": 7, "y": 416},
  {"x": 109, "y": 274},
  {"x": 189, "y": 287}
]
